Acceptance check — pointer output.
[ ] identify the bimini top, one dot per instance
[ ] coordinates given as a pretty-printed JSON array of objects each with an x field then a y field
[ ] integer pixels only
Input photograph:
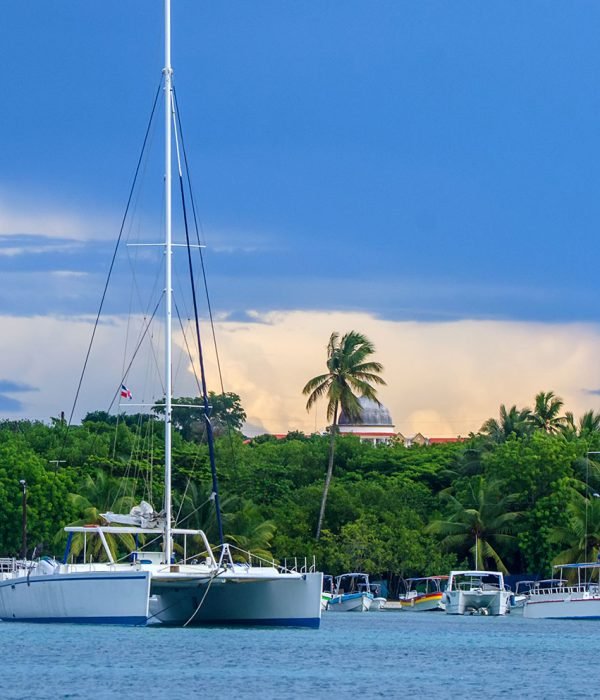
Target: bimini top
[
  {"x": 372, "y": 413},
  {"x": 427, "y": 578},
  {"x": 476, "y": 573}
]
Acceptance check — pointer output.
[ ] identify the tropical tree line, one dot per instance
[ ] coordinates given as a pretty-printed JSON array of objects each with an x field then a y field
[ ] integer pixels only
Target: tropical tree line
[{"x": 520, "y": 494}]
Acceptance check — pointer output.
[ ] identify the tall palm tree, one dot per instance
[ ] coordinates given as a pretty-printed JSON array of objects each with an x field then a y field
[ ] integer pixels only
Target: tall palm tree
[
  {"x": 546, "y": 414},
  {"x": 479, "y": 522},
  {"x": 514, "y": 421},
  {"x": 349, "y": 375}
]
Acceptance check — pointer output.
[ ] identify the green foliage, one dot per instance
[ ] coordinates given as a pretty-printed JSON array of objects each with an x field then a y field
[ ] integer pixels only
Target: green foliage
[
  {"x": 524, "y": 492},
  {"x": 537, "y": 537},
  {"x": 530, "y": 466},
  {"x": 513, "y": 422},
  {"x": 579, "y": 536},
  {"x": 47, "y": 494},
  {"x": 226, "y": 413},
  {"x": 479, "y": 521}
]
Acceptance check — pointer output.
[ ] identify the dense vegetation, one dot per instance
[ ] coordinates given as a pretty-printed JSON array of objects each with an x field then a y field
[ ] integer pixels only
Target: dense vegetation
[{"x": 521, "y": 494}]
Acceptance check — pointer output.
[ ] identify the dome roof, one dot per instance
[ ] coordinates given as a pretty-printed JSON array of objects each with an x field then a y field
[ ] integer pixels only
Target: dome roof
[{"x": 372, "y": 413}]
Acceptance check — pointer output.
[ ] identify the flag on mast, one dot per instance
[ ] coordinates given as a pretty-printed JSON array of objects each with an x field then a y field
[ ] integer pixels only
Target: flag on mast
[{"x": 125, "y": 393}]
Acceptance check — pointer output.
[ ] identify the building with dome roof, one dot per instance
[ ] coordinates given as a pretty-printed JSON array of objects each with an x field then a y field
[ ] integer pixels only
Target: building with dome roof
[{"x": 375, "y": 424}]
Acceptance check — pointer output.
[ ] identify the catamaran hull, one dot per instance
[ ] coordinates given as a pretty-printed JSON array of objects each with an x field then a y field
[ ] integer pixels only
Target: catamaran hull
[
  {"x": 118, "y": 598},
  {"x": 294, "y": 602},
  {"x": 477, "y": 602},
  {"x": 564, "y": 607}
]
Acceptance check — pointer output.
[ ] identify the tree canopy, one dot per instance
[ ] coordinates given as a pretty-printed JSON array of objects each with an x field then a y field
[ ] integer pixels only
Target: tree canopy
[{"x": 518, "y": 499}]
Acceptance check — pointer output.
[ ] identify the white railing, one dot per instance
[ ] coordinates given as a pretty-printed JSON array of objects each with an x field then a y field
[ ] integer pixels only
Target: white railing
[
  {"x": 7, "y": 565},
  {"x": 300, "y": 565},
  {"x": 566, "y": 590}
]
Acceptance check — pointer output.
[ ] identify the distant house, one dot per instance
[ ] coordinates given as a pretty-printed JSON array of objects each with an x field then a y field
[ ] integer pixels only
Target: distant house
[{"x": 419, "y": 439}]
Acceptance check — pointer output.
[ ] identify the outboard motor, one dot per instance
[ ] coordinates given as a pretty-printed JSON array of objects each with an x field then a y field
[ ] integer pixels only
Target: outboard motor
[{"x": 47, "y": 566}]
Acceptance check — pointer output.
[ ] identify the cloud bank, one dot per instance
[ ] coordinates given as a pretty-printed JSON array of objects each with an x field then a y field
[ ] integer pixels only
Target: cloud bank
[{"x": 443, "y": 379}]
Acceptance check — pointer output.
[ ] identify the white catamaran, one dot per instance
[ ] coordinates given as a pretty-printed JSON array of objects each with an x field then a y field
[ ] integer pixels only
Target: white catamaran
[{"x": 151, "y": 588}]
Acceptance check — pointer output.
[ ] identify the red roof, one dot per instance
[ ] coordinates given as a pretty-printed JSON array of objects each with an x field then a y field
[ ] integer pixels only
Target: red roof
[
  {"x": 361, "y": 433},
  {"x": 433, "y": 441}
]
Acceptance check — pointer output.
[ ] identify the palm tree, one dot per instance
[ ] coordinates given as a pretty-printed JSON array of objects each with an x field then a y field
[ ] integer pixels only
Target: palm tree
[
  {"x": 349, "y": 373},
  {"x": 480, "y": 522},
  {"x": 98, "y": 493},
  {"x": 195, "y": 509},
  {"x": 250, "y": 532},
  {"x": 569, "y": 429},
  {"x": 589, "y": 423},
  {"x": 514, "y": 421},
  {"x": 546, "y": 412}
]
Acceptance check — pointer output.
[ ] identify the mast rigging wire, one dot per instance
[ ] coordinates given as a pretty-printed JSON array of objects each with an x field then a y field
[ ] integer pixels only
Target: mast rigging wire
[
  {"x": 209, "y": 430},
  {"x": 112, "y": 264},
  {"x": 196, "y": 227},
  {"x": 202, "y": 265}
]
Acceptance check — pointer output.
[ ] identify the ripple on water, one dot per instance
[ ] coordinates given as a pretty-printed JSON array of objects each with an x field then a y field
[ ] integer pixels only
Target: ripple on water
[{"x": 382, "y": 654}]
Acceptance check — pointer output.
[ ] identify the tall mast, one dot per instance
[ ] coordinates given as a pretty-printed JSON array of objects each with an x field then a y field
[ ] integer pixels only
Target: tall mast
[{"x": 168, "y": 76}]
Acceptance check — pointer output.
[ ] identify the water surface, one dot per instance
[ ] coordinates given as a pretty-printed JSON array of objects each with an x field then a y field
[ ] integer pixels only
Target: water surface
[{"x": 381, "y": 654}]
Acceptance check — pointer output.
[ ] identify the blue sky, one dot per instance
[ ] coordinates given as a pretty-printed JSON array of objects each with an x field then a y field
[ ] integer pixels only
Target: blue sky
[{"x": 425, "y": 162}]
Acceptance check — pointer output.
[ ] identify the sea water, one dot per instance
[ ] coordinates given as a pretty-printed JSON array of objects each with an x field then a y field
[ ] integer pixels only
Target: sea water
[{"x": 370, "y": 655}]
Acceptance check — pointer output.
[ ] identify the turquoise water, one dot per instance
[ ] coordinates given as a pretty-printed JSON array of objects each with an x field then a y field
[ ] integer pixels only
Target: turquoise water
[{"x": 381, "y": 654}]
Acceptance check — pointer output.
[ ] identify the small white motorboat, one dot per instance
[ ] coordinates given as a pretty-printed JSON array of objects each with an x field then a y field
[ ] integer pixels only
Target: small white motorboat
[
  {"x": 352, "y": 594},
  {"x": 476, "y": 593}
]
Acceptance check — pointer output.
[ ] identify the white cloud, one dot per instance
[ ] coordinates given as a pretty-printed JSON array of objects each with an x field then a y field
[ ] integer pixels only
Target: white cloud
[
  {"x": 69, "y": 273},
  {"x": 443, "y": 379},
  {"x": 14, "y": 250},
  {"x": 37, "y": 217},
  {"x": 231, "y": 241}
]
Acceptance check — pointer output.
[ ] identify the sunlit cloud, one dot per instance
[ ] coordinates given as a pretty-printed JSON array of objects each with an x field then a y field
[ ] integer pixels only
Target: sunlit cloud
[{"x": 443, "y": 379}]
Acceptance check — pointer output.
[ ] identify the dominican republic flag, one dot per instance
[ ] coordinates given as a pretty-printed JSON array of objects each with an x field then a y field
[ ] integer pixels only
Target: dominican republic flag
[{"x": 125, "y": 393}]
